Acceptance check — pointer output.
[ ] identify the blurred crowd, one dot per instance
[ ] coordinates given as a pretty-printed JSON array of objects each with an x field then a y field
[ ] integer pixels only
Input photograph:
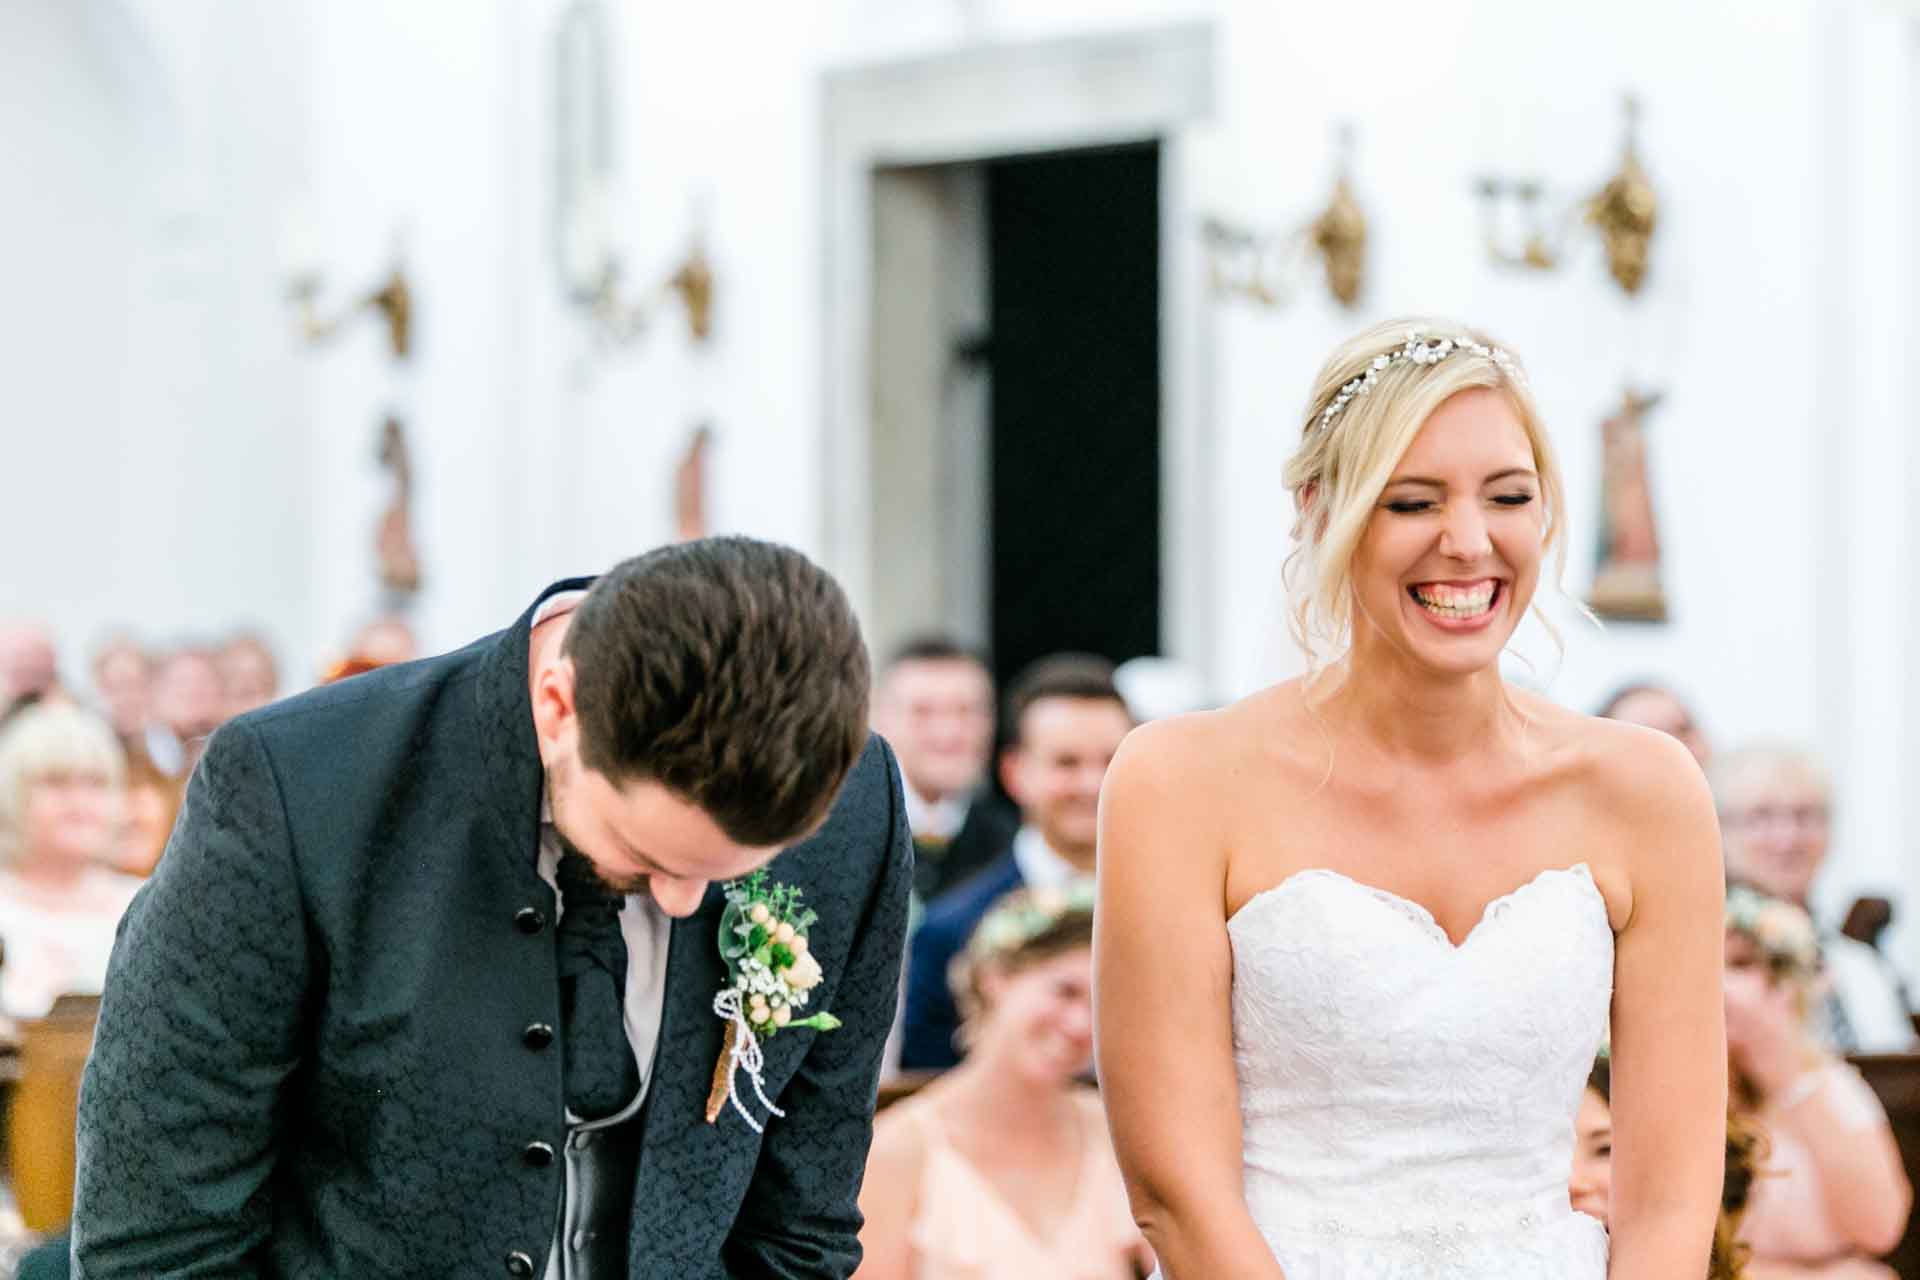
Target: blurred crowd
[
  {"x": 992, "y": 1158},
  {"x": 92, "y": 772}
]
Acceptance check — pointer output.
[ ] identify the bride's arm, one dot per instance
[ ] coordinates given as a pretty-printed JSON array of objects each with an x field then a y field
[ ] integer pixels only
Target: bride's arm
[
  {"x": 1163, "y": 979},
  {"x": 1669, "y": 1016}
]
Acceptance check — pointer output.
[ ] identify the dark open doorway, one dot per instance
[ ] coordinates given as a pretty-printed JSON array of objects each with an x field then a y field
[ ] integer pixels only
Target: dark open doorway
[{"x": 1075, "y": 457}]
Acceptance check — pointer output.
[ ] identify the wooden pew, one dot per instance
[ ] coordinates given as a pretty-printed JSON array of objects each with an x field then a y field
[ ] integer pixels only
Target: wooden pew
[
  {"x": 1895, "y": 1077},
  {"x": 40, "y": 1112},
  {"x": 903, "y": 1085}
]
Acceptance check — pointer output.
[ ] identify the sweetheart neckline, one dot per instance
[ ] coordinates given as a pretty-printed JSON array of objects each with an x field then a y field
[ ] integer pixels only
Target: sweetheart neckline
[{"x": 1417, "y": 912}]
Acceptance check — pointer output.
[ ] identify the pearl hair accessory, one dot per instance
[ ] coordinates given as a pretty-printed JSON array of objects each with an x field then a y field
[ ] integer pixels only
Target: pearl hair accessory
[{"x": 1421, "y": 351}]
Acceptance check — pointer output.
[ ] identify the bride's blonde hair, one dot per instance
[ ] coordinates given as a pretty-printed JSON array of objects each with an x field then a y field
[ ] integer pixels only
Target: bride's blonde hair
[{"x": 1355, "y": 436}]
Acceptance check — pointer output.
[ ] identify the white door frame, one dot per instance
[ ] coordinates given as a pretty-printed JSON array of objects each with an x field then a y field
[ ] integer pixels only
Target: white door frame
[{"x": 980, "y": 103}]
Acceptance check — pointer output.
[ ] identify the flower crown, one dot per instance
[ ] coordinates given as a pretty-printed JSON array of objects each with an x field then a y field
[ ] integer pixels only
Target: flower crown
[
  {"x": 1783, "y": 932},
  {"x": 1024, "y": 915},
  {"x": 1422, "y": 351}
]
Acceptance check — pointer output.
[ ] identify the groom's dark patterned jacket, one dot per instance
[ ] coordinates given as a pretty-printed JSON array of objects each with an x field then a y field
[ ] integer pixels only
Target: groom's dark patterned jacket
[{"x": 325, "y": 1048}]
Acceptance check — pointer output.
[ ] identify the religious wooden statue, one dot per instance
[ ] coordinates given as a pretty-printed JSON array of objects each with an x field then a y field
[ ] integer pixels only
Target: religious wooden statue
[
  {"x": 1627, "y": 584},
  {"x": 399, "y": 559},
  {"x": 690, "y": 488}
]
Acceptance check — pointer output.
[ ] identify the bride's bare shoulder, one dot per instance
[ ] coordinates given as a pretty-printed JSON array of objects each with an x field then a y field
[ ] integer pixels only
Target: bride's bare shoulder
[{"x": 1203, "y": 752}]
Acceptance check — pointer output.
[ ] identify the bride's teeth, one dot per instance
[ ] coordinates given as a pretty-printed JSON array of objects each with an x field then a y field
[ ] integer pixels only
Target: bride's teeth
[{"x": 1451, "y": 601}]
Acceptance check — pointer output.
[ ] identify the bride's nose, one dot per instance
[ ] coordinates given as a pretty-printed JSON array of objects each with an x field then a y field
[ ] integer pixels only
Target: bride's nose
[{"x": 1464, "y": 535}]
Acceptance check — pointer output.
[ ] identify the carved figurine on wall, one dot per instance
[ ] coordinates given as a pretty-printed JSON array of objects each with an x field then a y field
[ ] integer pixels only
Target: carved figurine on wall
[
  {"x": 399, "y": 559},
  {"x": 690, "y": 487},
  {"x": 1626, "y": 585}
]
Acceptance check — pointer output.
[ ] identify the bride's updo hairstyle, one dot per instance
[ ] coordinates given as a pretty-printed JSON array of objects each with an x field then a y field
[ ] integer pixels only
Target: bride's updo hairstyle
[{"x": 1369, "y": 401}]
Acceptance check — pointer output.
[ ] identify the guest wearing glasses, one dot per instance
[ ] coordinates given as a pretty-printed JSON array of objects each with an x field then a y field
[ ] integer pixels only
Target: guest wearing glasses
[{"x": 1776, "y": 815}]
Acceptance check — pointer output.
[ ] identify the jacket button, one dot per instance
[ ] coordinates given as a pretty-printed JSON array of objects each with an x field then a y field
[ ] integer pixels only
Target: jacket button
[
  {"x": 538, "y": 1035},
  {"x": 519, "y": 1265},
  {"x": 529, "y": 920},
  {"x": 538, "y": 1154}
]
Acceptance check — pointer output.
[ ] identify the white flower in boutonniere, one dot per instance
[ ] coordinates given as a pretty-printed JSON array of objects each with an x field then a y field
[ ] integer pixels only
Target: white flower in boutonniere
[{"x": 771, "y": 975}]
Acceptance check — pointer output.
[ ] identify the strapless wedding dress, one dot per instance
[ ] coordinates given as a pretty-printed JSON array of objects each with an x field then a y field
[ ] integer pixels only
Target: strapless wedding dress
[{"x": 1407, "y": 1103}]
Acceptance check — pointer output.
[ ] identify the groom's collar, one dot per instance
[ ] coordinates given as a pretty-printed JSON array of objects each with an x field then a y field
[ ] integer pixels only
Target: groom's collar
[{"x": 507, "y": 747}]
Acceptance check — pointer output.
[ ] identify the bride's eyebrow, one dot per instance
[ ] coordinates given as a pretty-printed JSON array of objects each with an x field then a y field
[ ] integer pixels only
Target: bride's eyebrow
[{"x": 1510, "y": 473}]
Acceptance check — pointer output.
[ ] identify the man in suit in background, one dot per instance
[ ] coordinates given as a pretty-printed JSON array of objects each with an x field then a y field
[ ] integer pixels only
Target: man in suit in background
[
  {"x": 933, "y": 703},
  {"x": 425, "y": 983},
  {"x": 1066, "y": 721}
]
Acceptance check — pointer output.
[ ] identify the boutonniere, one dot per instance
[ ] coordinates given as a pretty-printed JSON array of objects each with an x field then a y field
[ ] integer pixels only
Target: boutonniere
[{"x": 771, "y": 974}]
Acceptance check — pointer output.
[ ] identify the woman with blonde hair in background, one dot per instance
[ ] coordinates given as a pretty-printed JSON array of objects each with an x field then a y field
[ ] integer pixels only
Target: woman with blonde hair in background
[
  {"x": 1002, "y": 1169},
  {"x": 1360, "y": 933},
  {"x": 1832, "y": 1191},
  {"x": 61, "y": 777}
]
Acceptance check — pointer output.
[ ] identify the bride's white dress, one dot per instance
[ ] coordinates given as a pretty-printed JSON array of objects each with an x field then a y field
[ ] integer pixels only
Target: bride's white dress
[{"x": 1408, "y": 1104}]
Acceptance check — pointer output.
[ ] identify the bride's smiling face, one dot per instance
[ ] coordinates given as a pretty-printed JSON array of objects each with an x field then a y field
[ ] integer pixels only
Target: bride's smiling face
[{"x": 1451, "y": 553}]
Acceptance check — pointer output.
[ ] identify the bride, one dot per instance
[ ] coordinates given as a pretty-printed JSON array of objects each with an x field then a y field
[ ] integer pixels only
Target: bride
[{"x": 1360, "y": 934}]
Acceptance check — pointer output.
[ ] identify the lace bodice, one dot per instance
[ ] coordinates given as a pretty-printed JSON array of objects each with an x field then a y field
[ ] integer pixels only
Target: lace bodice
[{"x": 1407, "y": 1103}]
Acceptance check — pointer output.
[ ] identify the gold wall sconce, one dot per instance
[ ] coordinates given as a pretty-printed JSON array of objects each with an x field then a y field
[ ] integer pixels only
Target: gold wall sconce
[
  {"x": 585, "y": 182},
  {"x": 1271, "y": 268},
  {"x": 391, "y": 300},
  {"x": 620, "y": 321},
  {"x": 1624, "y": 212}
]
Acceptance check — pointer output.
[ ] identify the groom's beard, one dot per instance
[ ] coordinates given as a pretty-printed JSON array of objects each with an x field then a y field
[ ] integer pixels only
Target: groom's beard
[{"x": 627, "y": 887}]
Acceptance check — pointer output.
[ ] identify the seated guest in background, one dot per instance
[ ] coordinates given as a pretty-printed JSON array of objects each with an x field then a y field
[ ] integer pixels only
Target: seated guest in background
[
  {"x": 188, "y": 705},
  {"x": 152, "y": 803},
  {"x": 1776, "y": 820},
  {"x": 61, "y": 772},
  {"x": 1832, "y": 1192},
  {"x": 123, "y": 685},
  {"x": 29, "y": 670},
  {"x": 386, "y": 641},
  {"x": 1590, "y": 1189},
  {"x": 249, "y": 675},
  {"x": 1066, "y": 721},
  {"x": 1002, "y": 1169},
  {"x": 1657, "y": 707},
  {"x": 933, "y": 703}
]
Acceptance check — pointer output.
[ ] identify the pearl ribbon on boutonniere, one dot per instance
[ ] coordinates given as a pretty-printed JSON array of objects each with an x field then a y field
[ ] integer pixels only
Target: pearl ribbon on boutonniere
[
  {"x": 771, "y": 974},
  {"x": 739, "y": 1051}
]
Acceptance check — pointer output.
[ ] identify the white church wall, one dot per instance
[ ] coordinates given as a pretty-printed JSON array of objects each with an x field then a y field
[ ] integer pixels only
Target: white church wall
[{"x": 146, "y": 414}]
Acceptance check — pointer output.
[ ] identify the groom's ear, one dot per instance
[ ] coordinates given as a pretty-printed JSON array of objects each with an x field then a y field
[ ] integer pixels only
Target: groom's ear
[{"x": 555, "y": 720}]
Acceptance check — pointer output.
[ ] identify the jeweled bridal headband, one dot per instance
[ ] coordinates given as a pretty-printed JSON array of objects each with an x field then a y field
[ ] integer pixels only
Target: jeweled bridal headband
[{"x": 1421, "y": 351}]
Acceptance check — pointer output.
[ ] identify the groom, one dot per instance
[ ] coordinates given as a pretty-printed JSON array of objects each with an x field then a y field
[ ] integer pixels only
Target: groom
[{"x": 424, "y": 985}]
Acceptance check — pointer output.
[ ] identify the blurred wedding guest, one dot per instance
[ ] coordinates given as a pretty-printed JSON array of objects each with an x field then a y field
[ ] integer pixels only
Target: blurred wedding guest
[
  {"x": 1832, "y": 1191},
  {"x": 1590, "y": 1187},
  {"x": 61, "y": 773},
  {"x": 1002, "y": 1169},
  {"x": 1066, "y": 721},
  {"x": 123, "y": 683},
  {"x": 29, "y": 670},
  {"x": 188, "y": 705},
  {"x": 1776, "y": 818},
  {"x": 933, "y": 703},
  {"x": 249, "y": 674},
  {"x": 152, "y": 802},
  {"x": 386, "y": 641},
  {"x": 1658, "y": 707}
]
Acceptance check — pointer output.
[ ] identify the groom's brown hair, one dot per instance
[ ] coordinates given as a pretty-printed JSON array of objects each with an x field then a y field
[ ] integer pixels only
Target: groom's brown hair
[{"x": 732, "y": 672}]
